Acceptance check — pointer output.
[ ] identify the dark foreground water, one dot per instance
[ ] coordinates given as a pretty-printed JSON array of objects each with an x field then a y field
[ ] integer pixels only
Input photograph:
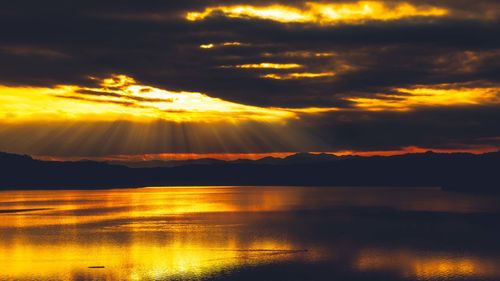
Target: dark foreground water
[{"x": 249, "y": 233}]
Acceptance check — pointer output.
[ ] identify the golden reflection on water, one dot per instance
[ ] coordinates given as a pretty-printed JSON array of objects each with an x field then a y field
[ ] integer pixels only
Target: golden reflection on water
[
  {"x": 39, "y": 208},
  {"x": 187, "y": 244},
  {"x": 139, "y": 259},
  {"x": 160, "y": 233},
  {"x": 427, "y": 266}
]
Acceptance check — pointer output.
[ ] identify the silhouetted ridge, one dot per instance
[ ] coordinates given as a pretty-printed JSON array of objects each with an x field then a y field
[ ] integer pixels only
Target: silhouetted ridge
[
  {"x": 453, "y": 171},
  {"x": 310, "y": 158},
  {"x": 298, "y": 158},
  {"x": 171, "y": 163},
  {"x": 13, "y": 158}
]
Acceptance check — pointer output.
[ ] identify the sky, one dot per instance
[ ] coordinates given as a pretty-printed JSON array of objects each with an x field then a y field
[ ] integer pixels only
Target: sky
[{"x": 150, "y": 79}]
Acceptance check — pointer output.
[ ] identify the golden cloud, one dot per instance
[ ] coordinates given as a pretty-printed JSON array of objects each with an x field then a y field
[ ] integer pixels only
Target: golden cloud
[
  {"x": 223, "y": 44},
  {"x": 207, "y": 46},
  {"x": 121, "y": 97},
  {"x": 404, "y": 99},
  {"x": 322, "y": 13},
  {"x": 269, "y": 65},
  {"x": 297, "y": 75},
  {"x": 301, "y": 54}
]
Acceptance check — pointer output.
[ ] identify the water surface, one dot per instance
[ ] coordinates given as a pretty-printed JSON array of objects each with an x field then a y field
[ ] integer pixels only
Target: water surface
[{"x": 249, "y": 233}]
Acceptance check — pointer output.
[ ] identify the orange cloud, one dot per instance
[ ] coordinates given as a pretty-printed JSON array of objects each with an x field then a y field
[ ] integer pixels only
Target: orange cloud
[
  {"x": 122, "y": 98},
  {"x": 404, "y": 99},
  {"x": 323, "y": 13},
  {"x": 269, "y": 65},
  {"x": 298, "y": 75}
]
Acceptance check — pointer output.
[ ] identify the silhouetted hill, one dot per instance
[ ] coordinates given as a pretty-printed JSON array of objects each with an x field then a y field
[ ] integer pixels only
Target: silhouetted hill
[
  {"x": 298, "y": 158},
  {"x": 302, "y": 158},
  {"x": 457, "y": 171},
  {"x": 162, "y": 163}
]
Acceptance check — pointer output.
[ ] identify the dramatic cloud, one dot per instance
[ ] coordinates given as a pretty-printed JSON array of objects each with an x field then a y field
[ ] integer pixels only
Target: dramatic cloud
[
  {"x": 437, "y": 96},
  {"x": 308, "y": 75},
  {"x": 322, "y": 13},
  {"x": 296, "y": 75},
  {"x": 121, "y": 98}
]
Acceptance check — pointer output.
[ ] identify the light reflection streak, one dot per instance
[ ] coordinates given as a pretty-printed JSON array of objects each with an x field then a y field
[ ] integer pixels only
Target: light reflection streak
[{"x": 426, "y": 266}]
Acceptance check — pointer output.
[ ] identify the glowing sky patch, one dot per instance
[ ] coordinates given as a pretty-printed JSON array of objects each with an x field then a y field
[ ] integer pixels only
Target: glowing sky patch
[
  {"x": 441, "y": 95},
  {"x": 297, "y": 75},
  {"x": 223, "y": 44},
  {"x": 232, "y": 44},
  {"x": 207, "y": 46},
  {"x": 300, "y": 54},
  {"x": 172, "y": 156},
  {"x": 322, "y": 13},
  {"x": 269, "y": 65},
  {"x": 122, "y": 98}
]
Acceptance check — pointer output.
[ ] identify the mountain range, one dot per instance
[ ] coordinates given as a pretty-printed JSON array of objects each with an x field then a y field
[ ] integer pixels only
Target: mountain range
[
  {"x": 451, "y": 171},
  {"x": 298, "y": 158}
]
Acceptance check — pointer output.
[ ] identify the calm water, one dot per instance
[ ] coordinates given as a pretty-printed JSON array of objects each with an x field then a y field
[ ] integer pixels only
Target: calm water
[{"x": 249, "y": 233}]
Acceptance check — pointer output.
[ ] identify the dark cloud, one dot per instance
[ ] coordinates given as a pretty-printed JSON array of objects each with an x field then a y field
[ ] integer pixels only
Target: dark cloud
[
  {"x": 445, "y": 128},
  {"x": 75, "y": 97},
  {"x": 90, "y": 93}
]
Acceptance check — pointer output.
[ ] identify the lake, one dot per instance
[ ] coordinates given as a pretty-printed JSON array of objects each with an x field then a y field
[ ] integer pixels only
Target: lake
[{"x": 249, "y": 233}]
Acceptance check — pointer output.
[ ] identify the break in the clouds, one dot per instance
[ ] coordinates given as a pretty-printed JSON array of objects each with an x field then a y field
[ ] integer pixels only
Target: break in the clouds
[{"x": 277, "y": 76}]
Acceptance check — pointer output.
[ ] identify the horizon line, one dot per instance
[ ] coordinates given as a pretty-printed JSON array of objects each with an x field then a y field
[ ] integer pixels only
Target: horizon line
[{"x": 253, "y": 156}]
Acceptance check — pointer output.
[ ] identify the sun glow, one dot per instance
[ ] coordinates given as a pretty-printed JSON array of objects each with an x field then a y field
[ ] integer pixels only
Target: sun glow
[
  {"x": 322, "y": 13},
  {"x": 122, "y": 98}
]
